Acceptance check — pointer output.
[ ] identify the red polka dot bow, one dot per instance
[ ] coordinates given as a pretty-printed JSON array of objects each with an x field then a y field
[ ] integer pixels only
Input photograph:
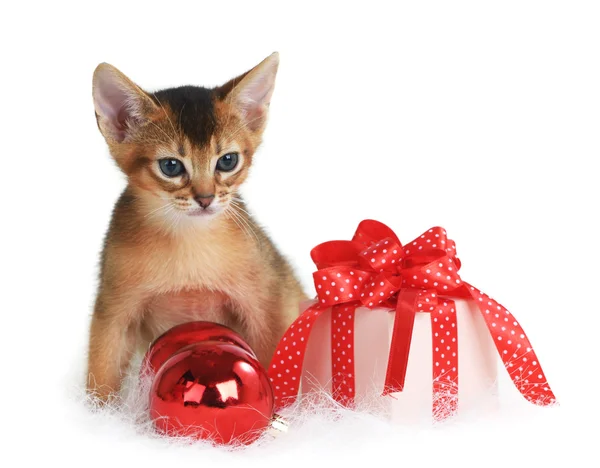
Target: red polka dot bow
[{"x": 375, "y": 270}]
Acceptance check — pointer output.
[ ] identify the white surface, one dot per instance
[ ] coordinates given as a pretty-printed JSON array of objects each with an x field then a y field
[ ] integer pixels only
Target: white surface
[
  {"x": 477, "y": 364},
  {"x": 481, "y": 117}
]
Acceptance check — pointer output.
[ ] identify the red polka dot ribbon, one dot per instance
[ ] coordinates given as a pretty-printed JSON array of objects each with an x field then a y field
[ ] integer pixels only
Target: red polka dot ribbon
[{"x": 374, "y": 270}]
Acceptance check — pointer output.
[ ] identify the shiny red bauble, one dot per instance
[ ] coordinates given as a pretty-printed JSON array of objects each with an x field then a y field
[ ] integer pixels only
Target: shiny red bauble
[
  {"x": 207, "y": 384},
  {"x": 186, "y": 334}
]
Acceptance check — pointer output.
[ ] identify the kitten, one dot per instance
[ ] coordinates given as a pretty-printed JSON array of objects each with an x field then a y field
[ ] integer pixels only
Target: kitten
[{"x": 181, "y": 245}]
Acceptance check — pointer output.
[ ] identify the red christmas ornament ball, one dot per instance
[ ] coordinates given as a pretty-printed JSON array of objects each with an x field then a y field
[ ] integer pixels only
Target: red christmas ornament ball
[
  {"x": 213, "y": 389},
  {"x": 186, "y": 334}
]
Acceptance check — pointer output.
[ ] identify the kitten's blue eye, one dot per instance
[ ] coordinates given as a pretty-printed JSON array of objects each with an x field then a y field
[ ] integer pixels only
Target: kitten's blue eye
[
  {"x": 227, "y": 162},
  {"x": 171, "y": 167}
]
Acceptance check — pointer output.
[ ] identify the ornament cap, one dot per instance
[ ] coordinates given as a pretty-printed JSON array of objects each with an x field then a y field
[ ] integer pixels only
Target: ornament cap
[{"x": 278, "y": 425}]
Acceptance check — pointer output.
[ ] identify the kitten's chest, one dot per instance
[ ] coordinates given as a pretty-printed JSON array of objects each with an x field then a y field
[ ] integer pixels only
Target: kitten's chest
[
  {"x": 164, "y": 311},
  {"x": 197, "y": 263},
  {"x": 192, "y": 278}
]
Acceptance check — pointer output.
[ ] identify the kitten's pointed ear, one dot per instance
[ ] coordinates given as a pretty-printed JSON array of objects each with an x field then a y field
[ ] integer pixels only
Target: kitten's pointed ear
[
  {"x": 251, "y": 93},
  {"x": 120, "y": 104}
]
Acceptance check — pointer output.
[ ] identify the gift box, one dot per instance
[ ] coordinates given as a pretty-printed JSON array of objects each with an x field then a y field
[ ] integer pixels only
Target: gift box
[
  {"x": 396, "y": 325},
  {"x": 373, "y": 330}
]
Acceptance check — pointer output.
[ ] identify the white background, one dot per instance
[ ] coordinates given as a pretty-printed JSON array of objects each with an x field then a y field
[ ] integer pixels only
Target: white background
[{"x": 481, "y": 117}]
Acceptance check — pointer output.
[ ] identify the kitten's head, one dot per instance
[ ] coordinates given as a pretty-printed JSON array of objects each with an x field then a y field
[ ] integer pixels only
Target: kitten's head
[{"x": 184, "y": 150}]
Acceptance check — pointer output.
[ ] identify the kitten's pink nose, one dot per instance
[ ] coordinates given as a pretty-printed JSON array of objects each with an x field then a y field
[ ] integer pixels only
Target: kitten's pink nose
[{"x": 204, "y": 200}]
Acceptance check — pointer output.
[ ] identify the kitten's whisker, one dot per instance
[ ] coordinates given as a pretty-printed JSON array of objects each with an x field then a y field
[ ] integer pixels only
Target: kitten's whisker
[
  {"x": 228, "y": 213},
  {"x": 175, "y": 221},
  {"x": 249, "y": 229},
  {"x": 159, "y": 208},
  {"x": 243, "y": 226},
  {"x": 180, "y": 113},
  {"x": 163, "y": 132},
  {"x": 233, "y": 217},
  {"x": 252, "y": 230},
  {"x": 172, "y": 218},
  {"x": 167, "y": 115},
  {"x": 166, "y": 212},
  {"x": 228, "y": 101},
  {"x": 156, "y": 141},
  {"x": 241, "y": 127},
  {"x": 237, "y": 198},
  {"x": 238, "y": 206}
]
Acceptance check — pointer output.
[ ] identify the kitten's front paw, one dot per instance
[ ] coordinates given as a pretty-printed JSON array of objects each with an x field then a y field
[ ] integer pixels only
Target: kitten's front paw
[{"x": 99, "y": 395}]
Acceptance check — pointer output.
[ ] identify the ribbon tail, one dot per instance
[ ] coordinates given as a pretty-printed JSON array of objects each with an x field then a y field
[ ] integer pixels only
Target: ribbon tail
[
  {"x": 444, "y": 339},
  {"x": 285, "y": 370},
  {"x": 514, "y": 349},
  {"x": 401, "y": 339},
  {"x": 342, "y": 354}
]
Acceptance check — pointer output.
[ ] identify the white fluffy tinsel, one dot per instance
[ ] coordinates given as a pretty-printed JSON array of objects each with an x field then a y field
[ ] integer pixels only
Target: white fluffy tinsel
[{"x": 324, "y": 434}]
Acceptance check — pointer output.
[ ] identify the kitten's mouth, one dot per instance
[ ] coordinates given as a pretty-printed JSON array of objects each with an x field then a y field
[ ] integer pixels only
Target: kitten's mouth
[{"x": 201, "y": 212}]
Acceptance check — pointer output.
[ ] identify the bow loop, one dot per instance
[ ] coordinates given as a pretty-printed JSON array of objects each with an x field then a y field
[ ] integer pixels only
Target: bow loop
[
  {"x": 370, "y": 231},
  {"x": 385, "y": 255},
  {"x": 429, "y": 246},
  {"x": 440, "y": 275},
  {"x": 339, "y": 285},
  {"x": 430, "y": 262},
  {"x": 336, "y": 253}
]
